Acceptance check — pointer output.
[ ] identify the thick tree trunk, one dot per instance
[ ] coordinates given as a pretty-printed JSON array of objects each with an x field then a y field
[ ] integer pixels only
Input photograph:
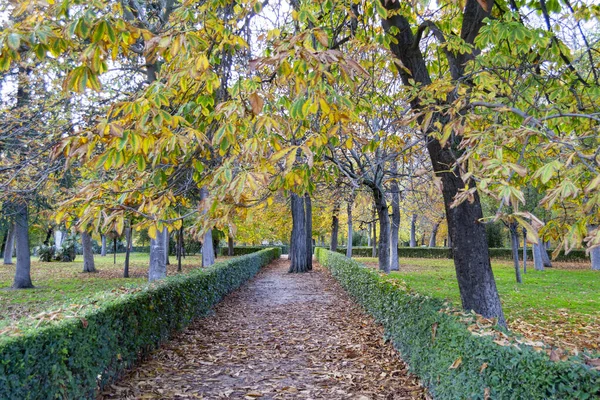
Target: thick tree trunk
[
  {"x": 114, "y": 251},
  {"x": 309, "y": 239},
  {"x": 524, "y": 250},
  {"x": 158, "y": 267},
  {"x": 208, "y": 251},
  {"x": 538, "y": 261},
  {"x": 350, "y": 233},
  {"x": 23, "y": 268},
  {"x": 103, "y": 249},
  {"x": 545, "y": 258},
  {"x": 514, "y": 243},
  {"x": 476, "y": 282},
  {"x": 59, "y": 238},
  {"x": 433, "y": 237},
  {"x": 167, "y": 248},
  {"x": 369, "y": 235},
  {"x": 128, "y": 238},
  {"x": 335, "y": 227},
  {"x": 9, "y": 245},
  {"x": 230, "y": 246},
  {"x": 395, "y": 226},
  {"x": 299, "y": 254},
  {"x": 413, "y": 231},
  {"x": 88, "y": 253}
]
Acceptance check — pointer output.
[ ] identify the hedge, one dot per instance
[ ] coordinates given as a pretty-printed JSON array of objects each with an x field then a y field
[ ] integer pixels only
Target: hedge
[
  {"x": 450, "y": 360},
  {"x": 77, "y": 357},
  {"x": 444, "y": 252},
  {"x": 241, "y": 250}
]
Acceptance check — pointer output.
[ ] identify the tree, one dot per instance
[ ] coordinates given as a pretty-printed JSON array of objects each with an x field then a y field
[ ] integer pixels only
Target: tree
[{"x": 88, "y": 252}]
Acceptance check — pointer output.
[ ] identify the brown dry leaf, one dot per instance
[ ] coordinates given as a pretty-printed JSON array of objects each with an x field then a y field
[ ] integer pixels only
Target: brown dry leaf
[
  {"x": 486, "y": 393},
  {"x": 256, "y": 102},
  {"x": 456, "y": 363},
  {"x": 433, "y": 331},
  {"x": 483, "y": 367}
]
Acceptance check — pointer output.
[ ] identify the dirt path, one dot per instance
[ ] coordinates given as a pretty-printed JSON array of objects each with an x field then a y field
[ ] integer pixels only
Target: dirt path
[{"x": 282, "y": 336}]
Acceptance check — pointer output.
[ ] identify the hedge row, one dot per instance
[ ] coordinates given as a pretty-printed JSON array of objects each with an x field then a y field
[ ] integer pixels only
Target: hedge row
[
  {"x": 443, "y": 252},
  {"x": 450, "y": 360},
  {"x": 76, "y": 357},
  {"x": 241, "y": 250}
]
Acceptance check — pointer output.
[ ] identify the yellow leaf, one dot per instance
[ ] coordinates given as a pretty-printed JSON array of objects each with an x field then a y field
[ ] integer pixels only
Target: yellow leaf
[
  {"x": 256, "y": 102},
  {"x": 152, "y": 231},
  {"x": 456, "y": 363}
]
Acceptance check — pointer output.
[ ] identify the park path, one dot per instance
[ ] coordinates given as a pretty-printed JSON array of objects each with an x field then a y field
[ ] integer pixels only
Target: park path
[{"x": 281, "y": 336}]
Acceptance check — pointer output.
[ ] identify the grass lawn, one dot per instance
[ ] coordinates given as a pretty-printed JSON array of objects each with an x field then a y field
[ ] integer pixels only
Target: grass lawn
[
  {"x": 560, "y": 306},
  {"x": 61, "y": 285}
]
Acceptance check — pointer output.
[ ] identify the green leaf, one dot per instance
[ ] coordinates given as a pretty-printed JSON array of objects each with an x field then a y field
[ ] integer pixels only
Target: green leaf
[{"x": 14, "y": 41}]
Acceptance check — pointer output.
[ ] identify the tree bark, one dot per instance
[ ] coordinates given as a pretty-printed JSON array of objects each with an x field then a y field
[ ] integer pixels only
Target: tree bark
[
  {"x": 469, "y": 242},
  {"x": 413, "y": 231},
  {"x": 158, "y": 267},
  {"x": 208, "y": 251},
  {"x": 514, "y": 242},
  {"x": 299, "y": 255},
  {"x": 230, "y": 249},
  {"x": 335, "y": 227},
  {"x": 350, "y": 233},
  {"x": 524, "y": 250},
  {"x": 49, "y": 233},
  {"x": 179, "y": 247},
  {"x": 545, "y": 258},
  {"x": 538, "y": 262},
  {"x": 115, "y": 250},
  {"x": 9, "y": 245},
  {"x": 103, "y": 249},
  {"x": 88, "y": 253},
  {"x": 433, "y": 237},
  {"x": 4, "y": 241},
  {"x": 128, "y": 238},
  {"x": 384, "y": 229},
  {"x": 309, "y": 242},
  {"x": 395, "y": 226},
  {"x": 23, "y": 268},
  {"x": 369, "y": 234},
  {"x": 595, "y": 258},
  {"x": 167, "y": 248}
]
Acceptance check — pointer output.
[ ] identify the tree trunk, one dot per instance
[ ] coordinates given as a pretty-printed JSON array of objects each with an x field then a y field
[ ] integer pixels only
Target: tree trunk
[
  {"x": 524, "y": 250},
  {"x": 128, "y": 238},
  {"x": 59, "y": 238},
  {"x": 88, "y": 253},
  {"x": 476, "y": 282},
  {"x": 23, "y": 268},
  {"x": 208, "y": 251},
  {"x": 413, "y": 231},
  {"x": 433, "y": 237},
  {"x": 167, "y": 248},
  {"x": 369, "y": 234},
  {"x": 158, "y": 267},
  {"x": 374, "y": 239},
  {"x": 4, "y": 241},
  {"x": 514, "y": 242},
  {"x": 179, "y": 248},
  {"x": 49, "y": 233},
  {"x": 335, "y": 227},
  {"x": 395, "y": 226},
  {"x": 103, "y": 249},
  {"x": 595, "y": 258},
  {"x": 384, "y": 229},
  {"x": 230, "y": 250},
  {"x": 350, "y": 233},
  {"x": 309, "y": 242},
  {"x": 10, "y": 244},
  {"x": 298, "y": 243},
  {"x": 545, "y": 258},
  {"x": 115, "y": 250},
  {"x": 538, "y": 262}
]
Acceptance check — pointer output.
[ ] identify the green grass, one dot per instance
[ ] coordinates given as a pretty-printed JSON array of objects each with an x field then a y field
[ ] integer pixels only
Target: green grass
[
  {"x": 554, "y": 304},
  {"x": 60, "y": 284}
]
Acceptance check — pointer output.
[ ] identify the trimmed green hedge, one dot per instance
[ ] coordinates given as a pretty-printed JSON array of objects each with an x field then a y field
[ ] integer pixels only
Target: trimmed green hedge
[
  {"x": 443, "y": 252},
  {"x": 431, "y": 341},
  {"x": 241, "y": 250},
  {"x": 75, "y": 357}
]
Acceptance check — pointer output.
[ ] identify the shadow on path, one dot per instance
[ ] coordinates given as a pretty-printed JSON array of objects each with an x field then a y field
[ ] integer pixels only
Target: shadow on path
[{"x": 281, "y": 336}]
